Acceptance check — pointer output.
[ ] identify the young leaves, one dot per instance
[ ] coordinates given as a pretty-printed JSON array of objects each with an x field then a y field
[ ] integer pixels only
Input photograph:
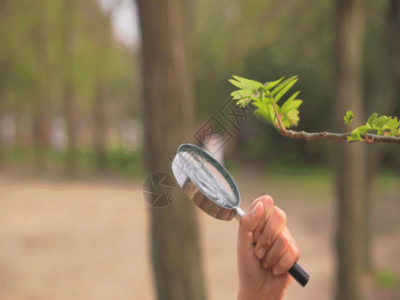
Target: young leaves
[
  {"x": 348, "y": 118},
  {"x": 282, "y": 88},
  {"x": 265, "y": 98},
  {"x": 243, "y": 83},
  {"x": 383, "y": 125}
]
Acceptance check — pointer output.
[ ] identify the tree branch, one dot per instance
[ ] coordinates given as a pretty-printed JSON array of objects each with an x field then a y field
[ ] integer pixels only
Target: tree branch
[
  {"x": 248, "y": 91},
  {"x": 369, "y": 138}
]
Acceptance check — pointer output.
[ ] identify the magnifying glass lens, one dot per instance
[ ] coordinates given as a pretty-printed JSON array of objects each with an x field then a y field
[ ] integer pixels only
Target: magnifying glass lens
[{"x": 208, "y": 178}]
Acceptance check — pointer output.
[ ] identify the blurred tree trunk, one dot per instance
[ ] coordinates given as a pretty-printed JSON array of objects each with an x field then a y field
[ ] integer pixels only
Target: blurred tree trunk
[
  {"x": 351, "y": 158},
  {"x": 70, "y": 121},
  {"x": 41, "y": 134},
  {"x": 41, "y": 106},
  {"x": 68, "y": 97},
  {"x": 168, "y": 116},
  {"x": 99, "y": 119},
  {"x": 3, "y": 78},
  {"x": 383, "y": 100}
]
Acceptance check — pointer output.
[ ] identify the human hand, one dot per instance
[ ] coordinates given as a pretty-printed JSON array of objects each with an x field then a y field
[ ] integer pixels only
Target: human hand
[{"x": 265, "y": 252}]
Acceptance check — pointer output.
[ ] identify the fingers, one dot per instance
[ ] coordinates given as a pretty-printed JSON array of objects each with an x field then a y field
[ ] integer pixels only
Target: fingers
[
  {"x": 248, "y": 224},
  {"x": 273, "y": 227},
  {"x": 265, "y": 226},
  {"x": 278, "y": 248},
  {"x": 287, "y": 260},
  {"x": 268, "y": 203}
]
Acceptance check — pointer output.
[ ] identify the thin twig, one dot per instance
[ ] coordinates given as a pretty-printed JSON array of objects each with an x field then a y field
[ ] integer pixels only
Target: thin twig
[
  {"x": 369, "y": 137},
  {"x": 309, "y": 136}
]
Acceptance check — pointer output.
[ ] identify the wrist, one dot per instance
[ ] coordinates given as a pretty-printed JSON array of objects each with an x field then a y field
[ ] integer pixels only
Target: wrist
[{"x": 248, "y": 295}]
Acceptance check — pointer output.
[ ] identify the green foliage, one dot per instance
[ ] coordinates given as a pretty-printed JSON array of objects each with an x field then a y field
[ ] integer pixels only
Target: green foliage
[
  {"x": 265, "y": 98},
  {"x": 348, "y": 118},
  {"x": 383, "y": 125},
  {"x": 54, "y": 44},
  {"x": 387, "y": 279}
]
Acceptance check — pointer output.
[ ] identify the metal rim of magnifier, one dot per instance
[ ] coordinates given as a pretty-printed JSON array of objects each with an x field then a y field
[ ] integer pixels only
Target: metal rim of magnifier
[{"x": 196, "y": 194}]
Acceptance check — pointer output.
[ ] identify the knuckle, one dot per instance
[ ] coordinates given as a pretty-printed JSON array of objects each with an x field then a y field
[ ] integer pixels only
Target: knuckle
[
  {"x": 284, "y": 240},
  {"x": 279, "y": 268},
  {"x": 281, "y": 215},
  {"x": 263, "y": 241},
  {"x": 295, "y": 249},
  {"x": 268, "y": 260},
  {"x": 258, "y": 199},
  {"x": 294, "y": 254},
  {"x": 268, "y": 201}
]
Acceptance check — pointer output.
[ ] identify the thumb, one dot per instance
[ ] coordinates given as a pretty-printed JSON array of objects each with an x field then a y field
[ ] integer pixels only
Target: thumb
[{"x": 248, "y": 224}]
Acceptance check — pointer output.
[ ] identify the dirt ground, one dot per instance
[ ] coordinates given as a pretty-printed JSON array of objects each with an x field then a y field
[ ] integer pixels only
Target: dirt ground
[{"x": 88, "y": 240}]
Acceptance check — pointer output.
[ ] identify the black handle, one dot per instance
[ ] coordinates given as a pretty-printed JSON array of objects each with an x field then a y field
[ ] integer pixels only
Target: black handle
[{"x": 299, "y": 274}]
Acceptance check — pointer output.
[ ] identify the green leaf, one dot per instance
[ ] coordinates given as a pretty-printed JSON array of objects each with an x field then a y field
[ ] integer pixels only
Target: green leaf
[
  {"x": 245, "y": 83},
  {"x": 283, "y": 84},
  {"x": 372, "y": 119},
  {"x": 272, "y": 84},
  {"x": 293, "y": 97},
  {"x": 354, "y": 137},
  {"x": 362, "y": 129},
  {"x": 348, "y": 118},
  {"x": 293, "y": 117},
  {"x": 235, "y": 83},
  {"x": 285, "y": 89},
  {"x": 381, "y": 121},
  {"x": 239, "y": 94},
  {"x": 291, "y": 105},
  {"x": 271, "y": 113}
]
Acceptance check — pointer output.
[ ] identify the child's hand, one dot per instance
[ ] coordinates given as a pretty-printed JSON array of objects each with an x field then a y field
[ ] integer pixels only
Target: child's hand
[{"x": 266, "y": 251}]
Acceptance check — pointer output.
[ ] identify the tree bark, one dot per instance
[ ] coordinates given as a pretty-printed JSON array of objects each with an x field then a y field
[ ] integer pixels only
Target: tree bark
[
  {"x": 168, "y": 106},
  {"x": 41, "y": 104},
  {"x": 99, "y": 120},
  {"x": 41, "y": 135},
  {"x": 350, "y": 159},
  {"x": 70, "y": 121},
  {"x": 69, "y": 92},
  {"x": 383, "y": 100}
]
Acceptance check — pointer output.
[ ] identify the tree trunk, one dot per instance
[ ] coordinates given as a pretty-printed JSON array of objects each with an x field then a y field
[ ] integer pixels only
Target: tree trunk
[
  {"x": 70, "y": 121},
  {"x": 350, "y": 163},
  {"x": 69, "y": 93},
  {"x": 99, "y": 120},
  {"x": 168, "y": 115},
  {"x": 383, "y": 101},
  {"x": 41, "y": 105},
  {"x": 41, "y": 135}
]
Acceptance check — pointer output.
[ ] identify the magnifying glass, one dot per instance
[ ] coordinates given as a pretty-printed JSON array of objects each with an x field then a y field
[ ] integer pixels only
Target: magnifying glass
[{"x": 209, "y": 185}]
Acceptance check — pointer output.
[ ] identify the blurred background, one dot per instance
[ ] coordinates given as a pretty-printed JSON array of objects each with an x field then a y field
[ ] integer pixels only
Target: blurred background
[{"x": 81, "y": 112}]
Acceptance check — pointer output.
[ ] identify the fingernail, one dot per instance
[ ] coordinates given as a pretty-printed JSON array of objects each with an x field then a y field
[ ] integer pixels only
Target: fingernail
[
  {"x": 256, "y": 208},
  {"x": 260, "y": 253}
]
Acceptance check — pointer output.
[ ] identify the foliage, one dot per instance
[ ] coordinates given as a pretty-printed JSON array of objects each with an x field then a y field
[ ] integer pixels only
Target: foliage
[
  {"x": 383, "y": 125},
  {"x": 265, "y": 98},
  {"x": 54, "y": 43},
  {"x": 387, "y": 278}
]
